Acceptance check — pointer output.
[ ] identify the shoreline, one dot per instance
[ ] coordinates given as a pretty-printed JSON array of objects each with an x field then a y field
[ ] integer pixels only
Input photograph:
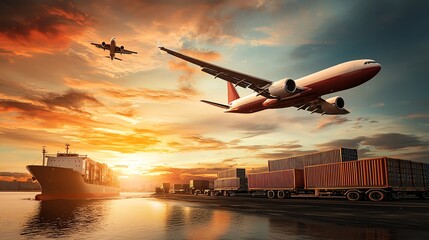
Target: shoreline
[{"x": 401, "y": 214}]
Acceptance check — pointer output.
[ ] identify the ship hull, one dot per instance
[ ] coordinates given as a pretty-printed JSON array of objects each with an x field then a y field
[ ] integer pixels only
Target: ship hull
[{"x": 64, "y": 183}]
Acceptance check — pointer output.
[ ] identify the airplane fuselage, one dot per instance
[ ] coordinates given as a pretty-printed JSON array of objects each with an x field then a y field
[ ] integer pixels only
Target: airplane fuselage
[
  {"x": 112, "y": 48},
  {"x": 337, "y": 78}
]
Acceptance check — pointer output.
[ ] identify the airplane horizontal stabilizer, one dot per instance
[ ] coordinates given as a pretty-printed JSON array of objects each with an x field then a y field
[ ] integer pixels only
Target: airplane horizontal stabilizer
[{"x": 216, "y": 104}]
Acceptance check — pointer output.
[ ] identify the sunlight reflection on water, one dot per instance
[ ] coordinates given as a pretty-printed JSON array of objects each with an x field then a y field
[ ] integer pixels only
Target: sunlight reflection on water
[{"x": 139, "y": 216}]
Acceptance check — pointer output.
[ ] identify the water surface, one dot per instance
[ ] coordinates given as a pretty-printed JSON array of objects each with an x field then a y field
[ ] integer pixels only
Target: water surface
[{"x": 138, "y": 216}]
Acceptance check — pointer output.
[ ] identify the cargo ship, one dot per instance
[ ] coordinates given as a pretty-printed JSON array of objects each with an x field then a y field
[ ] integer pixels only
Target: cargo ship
[{"x": 73, "y": 176}]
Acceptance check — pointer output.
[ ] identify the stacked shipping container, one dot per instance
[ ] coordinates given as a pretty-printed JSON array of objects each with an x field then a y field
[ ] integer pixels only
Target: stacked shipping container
[
  {"x": 417, "y": 171},
  {"x": 231, "y": 179},
  {"x": 425, "y": 168},
  {"x": 232, "y": 173},
  {"x": 98, "y": 173},
  {"x": 299, "y": 162}
]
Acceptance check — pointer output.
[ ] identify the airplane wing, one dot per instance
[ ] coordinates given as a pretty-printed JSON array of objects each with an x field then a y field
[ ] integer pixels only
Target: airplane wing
[
  {"x": 106, "y": 46},
  {"x": 124, "y": 51},
  {"x": 315, "y": 106},
  {"x": 259, "y": 85}
]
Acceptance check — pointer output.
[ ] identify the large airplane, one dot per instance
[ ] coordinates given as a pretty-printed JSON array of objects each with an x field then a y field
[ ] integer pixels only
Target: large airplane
[
  {"x": 113, "y": 49},
  {"x": 304, "y": 93}
]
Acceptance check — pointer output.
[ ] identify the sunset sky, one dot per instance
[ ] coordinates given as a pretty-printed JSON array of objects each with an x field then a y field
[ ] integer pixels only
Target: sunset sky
[{"x": 143, "y": 115}]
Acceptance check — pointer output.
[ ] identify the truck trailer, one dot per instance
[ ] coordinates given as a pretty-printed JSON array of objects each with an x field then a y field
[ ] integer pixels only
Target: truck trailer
[
  {"x": 375, "y": 179},
  {"x": 230, "y": 182}
]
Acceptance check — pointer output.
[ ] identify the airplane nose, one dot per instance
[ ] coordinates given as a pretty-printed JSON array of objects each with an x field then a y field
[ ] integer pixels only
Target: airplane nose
[{"x": 378, "y": 67}]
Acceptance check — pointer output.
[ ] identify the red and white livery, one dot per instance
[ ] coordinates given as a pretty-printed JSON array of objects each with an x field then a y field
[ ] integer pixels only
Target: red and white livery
[{"x": 304, "y": 93}]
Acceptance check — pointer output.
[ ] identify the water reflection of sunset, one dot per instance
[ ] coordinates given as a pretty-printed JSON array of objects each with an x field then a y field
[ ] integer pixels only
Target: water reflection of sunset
[{"x": 215, "y": 229}]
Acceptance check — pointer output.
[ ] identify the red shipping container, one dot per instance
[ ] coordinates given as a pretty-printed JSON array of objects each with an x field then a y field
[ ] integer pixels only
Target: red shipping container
[
  {"x": 369, "y": 173},
  {"x": 278, "y": 180}
]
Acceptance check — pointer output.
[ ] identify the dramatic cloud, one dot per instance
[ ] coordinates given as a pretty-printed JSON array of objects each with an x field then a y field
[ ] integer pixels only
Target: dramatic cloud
[
  {"x": 394, "y": 141},
  {"x": 72, "y": 99},
  {"x": 132, "y": 142},
  {"x": 331, "y": 120},
  {"x": 418, "y": 116},
  {"x": 197, "y": 143},
  {"x": 44, "y": 116},
  {"x": 14, "y": 176},
  {"x": 186, "y": 79},
  {"x": 391, "y": 143},
  {"x": 34, "y": 26},
  {"x": 115, "y": 91},
  {"x": 283, "y": 154}
]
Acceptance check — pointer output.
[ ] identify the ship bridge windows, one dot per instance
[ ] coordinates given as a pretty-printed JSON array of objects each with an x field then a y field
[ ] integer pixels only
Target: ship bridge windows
[{"x": 369, "y": 62}]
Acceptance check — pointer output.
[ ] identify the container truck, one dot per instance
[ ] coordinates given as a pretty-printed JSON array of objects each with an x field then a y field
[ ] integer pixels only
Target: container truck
[
  {"x": 230, "y": 182},
  {"x": 375, "y": 179},
  {"x": 198, "y": 186},
  {"x": 277, "y": 184}
]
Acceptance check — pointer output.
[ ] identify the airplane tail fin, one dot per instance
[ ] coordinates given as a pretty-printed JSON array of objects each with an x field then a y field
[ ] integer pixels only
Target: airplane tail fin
[
  {"x": 216, "y": 104},
  {"x": 232, "y": 92}
]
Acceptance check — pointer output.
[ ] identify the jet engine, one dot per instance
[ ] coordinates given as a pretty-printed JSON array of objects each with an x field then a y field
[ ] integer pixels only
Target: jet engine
[
  {"x": 122, "y": 49},
  {"x": 103, "y": 44},
  {"x": 282, "y": 88},
  {"x": 333, "y": 105}
]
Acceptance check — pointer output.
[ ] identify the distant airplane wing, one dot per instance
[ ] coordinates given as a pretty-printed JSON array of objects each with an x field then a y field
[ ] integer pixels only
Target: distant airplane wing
[
  {"x": 239, "y": 79},
  {"x": 124, "y": 51},
  {"x": 106, "y": 46},
  {"x": 315, "y": 106}
]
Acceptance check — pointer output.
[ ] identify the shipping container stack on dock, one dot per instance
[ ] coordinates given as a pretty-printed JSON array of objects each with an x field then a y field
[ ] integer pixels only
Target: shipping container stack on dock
[{"x": 230, "y": 181}]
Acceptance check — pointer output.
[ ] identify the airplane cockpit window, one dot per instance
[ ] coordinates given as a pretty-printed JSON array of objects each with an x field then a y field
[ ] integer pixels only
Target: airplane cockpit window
[{"x": 368, "y": 62}]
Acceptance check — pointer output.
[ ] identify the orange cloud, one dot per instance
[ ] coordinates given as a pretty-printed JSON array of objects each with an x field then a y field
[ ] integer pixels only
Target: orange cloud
[
  {"x": 205, "y": 55},
  {"x": 124, "y": 143},
  {"x": 186, "y": 80},
  {"x": 116, "y": 91},
  {"x": 14, "y": 176},
  {"x": 39, "y": 115},
  {"x": 40, "y": 27}
]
